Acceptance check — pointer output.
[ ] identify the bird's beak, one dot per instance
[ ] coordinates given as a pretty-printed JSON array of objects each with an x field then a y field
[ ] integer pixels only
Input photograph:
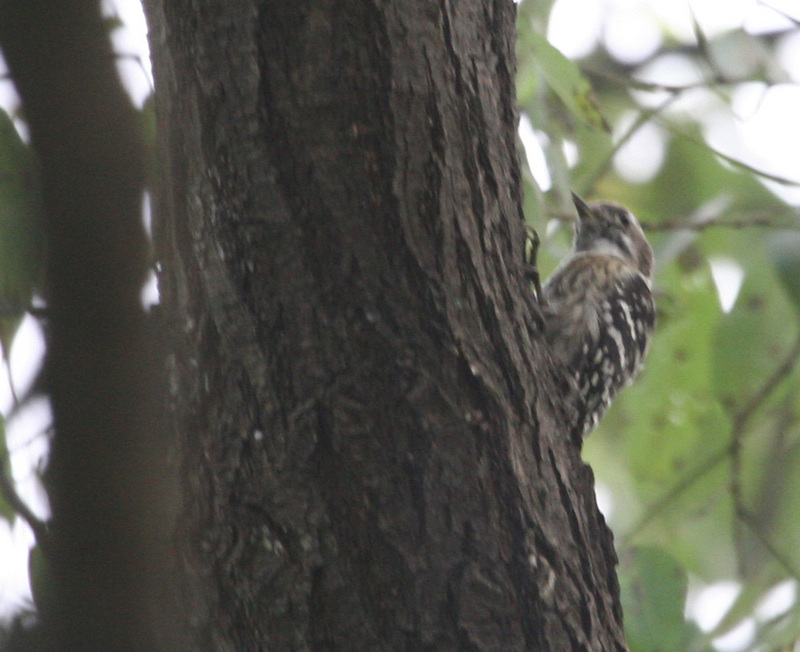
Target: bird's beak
[{"x": 584, "y": 212}]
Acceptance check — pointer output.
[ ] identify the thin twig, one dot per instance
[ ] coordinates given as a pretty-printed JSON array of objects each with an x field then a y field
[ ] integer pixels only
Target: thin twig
[
  {"x": 683, "y": 484},
  {"x": 740, "y": 420},
  {"x": 680, "y": 225},
  {"x": 20, "y": 507},
  {"x": 675, "y": 225},
  {"x": 641, "y": 85},
  {"x": 754, "y": 525},
  {"x": 779, "y": 12},
  {"x": 785, "y": 368},
  {"x": 737, "y": 437},
  {"x": 644, "y": 117},
  {"x": 784, "y": 181}
]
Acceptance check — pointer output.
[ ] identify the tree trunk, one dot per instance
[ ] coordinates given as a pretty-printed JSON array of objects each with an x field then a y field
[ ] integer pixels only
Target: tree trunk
[
  {"x": 372, "y": 436},
  {"x": 107, "y": 481}
]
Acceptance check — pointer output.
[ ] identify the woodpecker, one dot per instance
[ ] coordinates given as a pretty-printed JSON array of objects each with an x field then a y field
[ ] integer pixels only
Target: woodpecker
[{"x": 598, "y": 307}]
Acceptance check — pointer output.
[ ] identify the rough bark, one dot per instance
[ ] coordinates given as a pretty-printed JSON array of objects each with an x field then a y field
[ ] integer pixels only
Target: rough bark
[{"x": 372, "y": 434}]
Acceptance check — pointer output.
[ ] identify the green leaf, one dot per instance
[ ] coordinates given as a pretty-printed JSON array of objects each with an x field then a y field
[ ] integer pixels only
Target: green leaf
[
  {"x": 663, "y": 443},
  {"x": 784, "y": 252},
  {"x": 653, "y": 589},
  {"x": 21, "y": 229},
  {"x": 6, "y": 511},
  {"x": 41, "y": 578},
  {"x": 567, "y": 81},
  {"x": 768, "y": 491},
  {"x": 748, "y": 347}
]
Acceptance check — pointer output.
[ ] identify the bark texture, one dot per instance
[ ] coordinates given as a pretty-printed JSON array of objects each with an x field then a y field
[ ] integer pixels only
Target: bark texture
[{"x": 372, "y": 434}]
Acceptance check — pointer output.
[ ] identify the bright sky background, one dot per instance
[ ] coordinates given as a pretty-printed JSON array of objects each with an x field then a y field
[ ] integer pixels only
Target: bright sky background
[{"x": 763, "y": 130}]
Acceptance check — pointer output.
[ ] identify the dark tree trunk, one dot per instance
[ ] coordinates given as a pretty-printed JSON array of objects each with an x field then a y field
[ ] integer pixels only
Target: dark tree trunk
[
  {"x": 107, "y": 483},
  {"x": 373, "y": 443}
]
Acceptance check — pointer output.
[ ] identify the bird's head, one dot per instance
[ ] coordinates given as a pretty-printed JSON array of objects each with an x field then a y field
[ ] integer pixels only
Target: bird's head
[{"x": 611, "y": 229}]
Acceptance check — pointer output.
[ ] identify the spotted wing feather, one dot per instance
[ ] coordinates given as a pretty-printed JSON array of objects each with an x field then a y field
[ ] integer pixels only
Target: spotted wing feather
[{"x": 599, "y": 315}]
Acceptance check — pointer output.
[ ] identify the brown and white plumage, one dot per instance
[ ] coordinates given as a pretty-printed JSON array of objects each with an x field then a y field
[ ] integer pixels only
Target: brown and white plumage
[{"x": 598, "y": 307}]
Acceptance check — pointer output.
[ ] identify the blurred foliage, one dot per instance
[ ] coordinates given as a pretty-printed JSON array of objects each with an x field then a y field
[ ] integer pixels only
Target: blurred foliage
[
  {"x": 21, "y": 230},
  {"x": 22, "y": 262},
  {"x": 701, "y": 457},
  {"x": 22, "y": 265}
]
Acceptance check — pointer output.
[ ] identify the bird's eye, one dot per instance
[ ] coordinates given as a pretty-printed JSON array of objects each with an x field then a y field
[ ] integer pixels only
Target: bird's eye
[{"x": 624, "y": 220}]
